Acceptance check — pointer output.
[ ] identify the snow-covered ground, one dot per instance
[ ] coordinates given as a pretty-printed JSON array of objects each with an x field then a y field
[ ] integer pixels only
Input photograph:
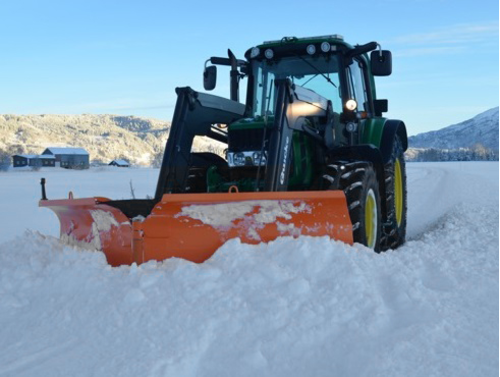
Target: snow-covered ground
[{"x": 294, "y": 307}]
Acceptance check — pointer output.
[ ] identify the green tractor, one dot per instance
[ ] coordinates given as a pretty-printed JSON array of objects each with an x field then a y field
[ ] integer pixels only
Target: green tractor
[
  {"x": 311, "y": 122},
  {"x": 308, "y": 153}
]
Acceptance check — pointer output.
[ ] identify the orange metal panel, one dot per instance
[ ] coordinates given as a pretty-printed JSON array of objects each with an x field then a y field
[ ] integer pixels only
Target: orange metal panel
[
  {"x": 96, "y": 224},
  {"x": 194, "y": 226}
]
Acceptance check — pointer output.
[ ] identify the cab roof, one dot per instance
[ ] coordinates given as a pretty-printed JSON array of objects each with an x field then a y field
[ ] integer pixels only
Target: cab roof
[{"x": 296, "y": 45}]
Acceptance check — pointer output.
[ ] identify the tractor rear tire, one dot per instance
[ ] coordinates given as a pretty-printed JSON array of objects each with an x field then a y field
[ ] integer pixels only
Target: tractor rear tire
[
  {"x": 359, "y": 182},
  {"x": 394, "y": 231}
]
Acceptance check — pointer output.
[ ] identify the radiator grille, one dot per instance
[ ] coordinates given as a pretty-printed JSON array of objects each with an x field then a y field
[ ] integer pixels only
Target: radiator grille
[{"x": 246, "y": 140}]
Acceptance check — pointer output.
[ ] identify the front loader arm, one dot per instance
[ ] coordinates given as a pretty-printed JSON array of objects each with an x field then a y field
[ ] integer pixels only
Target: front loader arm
[
  {"x": 194, "y": 114},
  {"x": 293, "y": 105},
  {"x": 278, "y": 166}
]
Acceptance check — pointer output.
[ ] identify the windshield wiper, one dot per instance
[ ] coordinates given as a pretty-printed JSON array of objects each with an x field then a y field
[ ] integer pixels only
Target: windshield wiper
[
  {"x": 304, "y": 84},
  {"x": 317, "y": 70}
]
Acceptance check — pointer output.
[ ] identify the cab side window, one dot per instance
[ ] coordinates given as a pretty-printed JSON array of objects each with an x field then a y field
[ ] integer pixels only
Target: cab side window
[{"x": 357, "y": 86}]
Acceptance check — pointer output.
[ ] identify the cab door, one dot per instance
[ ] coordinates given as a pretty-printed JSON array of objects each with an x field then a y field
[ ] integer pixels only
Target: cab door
[{"x": 358, "y": 91}]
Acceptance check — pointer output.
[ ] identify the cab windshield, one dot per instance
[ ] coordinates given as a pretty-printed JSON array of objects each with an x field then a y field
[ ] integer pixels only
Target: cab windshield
[{"x": 319, "y": 74}]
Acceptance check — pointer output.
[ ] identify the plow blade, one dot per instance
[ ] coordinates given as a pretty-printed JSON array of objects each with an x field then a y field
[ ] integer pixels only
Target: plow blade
[
  {"x": 90, "y": 223},
  {"x": 194, "y": 226}
]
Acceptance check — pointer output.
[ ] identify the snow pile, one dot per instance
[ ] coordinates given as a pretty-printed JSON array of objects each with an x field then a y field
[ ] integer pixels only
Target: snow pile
[
  {"x": 224, "y": 214},
  {"x": 293, "y": 307},
  {"x": 103, "y": 220}
]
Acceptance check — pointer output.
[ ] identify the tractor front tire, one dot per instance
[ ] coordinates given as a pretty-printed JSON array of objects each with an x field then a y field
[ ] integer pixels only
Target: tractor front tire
[{"x": 359, "y": 182}]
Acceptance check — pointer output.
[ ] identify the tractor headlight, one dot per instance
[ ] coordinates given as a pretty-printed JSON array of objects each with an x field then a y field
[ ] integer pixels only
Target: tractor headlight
[
  {"x": 325, "y": 47},
  {"x": 311, "y": 49},
  {"x": 351, "y": 127},
  {"x": 269, "y": 53},
  {"x": 239, "y": 159},
  {"x": 351, "y": 105},
  {"x": 259, "y": 158},
  {"x": 251, "y": 158},
  {"x": 254, "y": 52}
]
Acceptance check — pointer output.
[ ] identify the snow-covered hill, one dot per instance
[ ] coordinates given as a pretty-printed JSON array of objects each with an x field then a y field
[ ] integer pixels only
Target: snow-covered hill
[
  {"x": 140, "y": 141},
  {"x": 293, "y": 307},
  {"x": 482, "y": 129},
  {"x": 105, "y": 137}
]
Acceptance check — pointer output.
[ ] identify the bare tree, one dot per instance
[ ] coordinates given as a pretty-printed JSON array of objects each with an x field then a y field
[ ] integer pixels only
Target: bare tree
[
  {"x": 4, "y": 160},
  {"x": 157, "y": 159},
  {"x": 132, "y": 191}
]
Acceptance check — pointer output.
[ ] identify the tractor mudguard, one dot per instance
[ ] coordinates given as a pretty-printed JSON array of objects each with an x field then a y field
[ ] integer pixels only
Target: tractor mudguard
[
  {"x": 392, "y": 127},
  {"x": 380, "y": 132}
]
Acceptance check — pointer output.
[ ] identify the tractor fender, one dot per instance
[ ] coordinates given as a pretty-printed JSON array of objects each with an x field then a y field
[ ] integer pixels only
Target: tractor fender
[{"x": 392, "y": 127}]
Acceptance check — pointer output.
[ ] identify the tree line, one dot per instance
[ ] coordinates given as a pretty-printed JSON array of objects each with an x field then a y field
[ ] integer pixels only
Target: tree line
[{"x": 477, "y": 153}]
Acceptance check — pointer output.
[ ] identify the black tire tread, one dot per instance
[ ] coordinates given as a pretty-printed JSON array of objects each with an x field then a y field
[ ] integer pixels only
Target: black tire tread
[
  {"x": 355, "y": 180},
  {"x": 394, "y": 236}
]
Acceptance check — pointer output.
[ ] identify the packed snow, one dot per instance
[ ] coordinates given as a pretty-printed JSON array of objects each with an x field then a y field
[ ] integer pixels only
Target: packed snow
[
  {"x": 293, "y": 307},
  {"x": 224, "y": 214},
  {"x": 103, "y": 220}
]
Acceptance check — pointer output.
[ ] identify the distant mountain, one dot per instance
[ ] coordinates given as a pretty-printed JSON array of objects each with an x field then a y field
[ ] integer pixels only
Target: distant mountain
[{"x": 482, "y": 129}]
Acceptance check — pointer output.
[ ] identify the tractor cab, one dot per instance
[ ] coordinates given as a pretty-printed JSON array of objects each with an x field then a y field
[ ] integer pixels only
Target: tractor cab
[
  {"x": 329, "y": 86},
  {"x": 326, "y": 65}
]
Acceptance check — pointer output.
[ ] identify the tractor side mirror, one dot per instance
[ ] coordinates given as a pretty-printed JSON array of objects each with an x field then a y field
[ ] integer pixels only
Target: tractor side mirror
[
  {"x": 381, "y": 62},
  {"x": 210, "y": 77}
]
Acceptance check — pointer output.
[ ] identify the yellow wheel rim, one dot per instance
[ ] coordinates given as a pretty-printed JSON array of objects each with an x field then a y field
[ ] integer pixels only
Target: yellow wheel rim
[
  {"x": 371, "y": 219},
  {"x": 398, "y": 192}
]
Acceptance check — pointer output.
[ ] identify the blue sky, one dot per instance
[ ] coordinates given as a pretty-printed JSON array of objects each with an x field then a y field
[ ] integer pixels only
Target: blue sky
[{"x": 122, "y": 57}]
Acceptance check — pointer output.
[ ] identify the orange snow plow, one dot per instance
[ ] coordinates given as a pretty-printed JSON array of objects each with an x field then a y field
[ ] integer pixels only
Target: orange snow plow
[{"x": 194, "y": 226}]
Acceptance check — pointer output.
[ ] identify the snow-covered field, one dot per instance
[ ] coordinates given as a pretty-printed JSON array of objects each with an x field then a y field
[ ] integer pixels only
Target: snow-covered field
[{"x": 294, "y": 307}]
